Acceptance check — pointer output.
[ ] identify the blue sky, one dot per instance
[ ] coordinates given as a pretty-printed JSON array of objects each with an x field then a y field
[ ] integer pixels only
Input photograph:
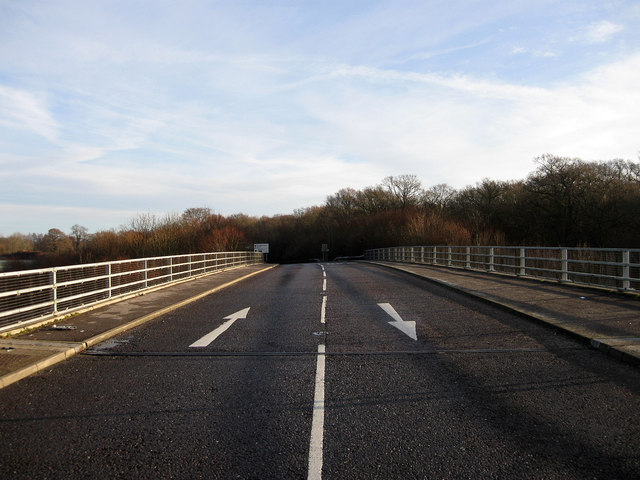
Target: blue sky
[{"x": 110, "y": 109}]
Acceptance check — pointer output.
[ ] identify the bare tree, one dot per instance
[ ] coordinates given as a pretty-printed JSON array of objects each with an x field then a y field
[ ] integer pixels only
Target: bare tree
[
  {"x": 79, "y": 235},
  {"x": 406, "y": 189},
  {"x": 439, "y": 196}
]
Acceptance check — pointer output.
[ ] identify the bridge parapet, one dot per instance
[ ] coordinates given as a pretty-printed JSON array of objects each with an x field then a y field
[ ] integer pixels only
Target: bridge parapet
[
  {"x": 33, "y": 296},
  {"x": 617, "y": 269}
]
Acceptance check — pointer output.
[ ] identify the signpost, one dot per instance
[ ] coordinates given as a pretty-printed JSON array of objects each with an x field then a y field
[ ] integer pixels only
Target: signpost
[
  {"x": 325, "y": 250},
  {"x": 262, "y": 247}
]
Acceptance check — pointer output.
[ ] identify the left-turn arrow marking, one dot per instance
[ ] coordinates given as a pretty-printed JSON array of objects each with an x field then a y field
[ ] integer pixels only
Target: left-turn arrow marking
[{"x": 210, "y": 337}]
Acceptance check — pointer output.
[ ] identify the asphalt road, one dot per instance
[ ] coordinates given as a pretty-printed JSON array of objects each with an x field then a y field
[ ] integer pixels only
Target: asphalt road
[{"x": 479, "y": 393}]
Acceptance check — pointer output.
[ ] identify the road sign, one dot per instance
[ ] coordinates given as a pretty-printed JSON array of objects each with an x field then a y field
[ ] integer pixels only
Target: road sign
[{"x": 261, "y": 247}]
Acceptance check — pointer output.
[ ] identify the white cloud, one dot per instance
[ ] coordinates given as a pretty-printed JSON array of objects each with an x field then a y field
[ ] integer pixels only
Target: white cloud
[
  {"x": 25, "y": 110},
  {"x": 602, "y": 31},
  {"x": 459, "y": 129}
]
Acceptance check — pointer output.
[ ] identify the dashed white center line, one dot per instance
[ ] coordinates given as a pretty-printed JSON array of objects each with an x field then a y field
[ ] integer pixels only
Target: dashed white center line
[
  {"x": 323, "y": 310},
  {"x": 317, "y": 424}
]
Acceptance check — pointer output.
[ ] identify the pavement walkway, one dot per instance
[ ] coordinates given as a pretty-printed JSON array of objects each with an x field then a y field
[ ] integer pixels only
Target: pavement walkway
[
  {"x": 25, "y": 354},
  {"x": 607, "y": 320}
]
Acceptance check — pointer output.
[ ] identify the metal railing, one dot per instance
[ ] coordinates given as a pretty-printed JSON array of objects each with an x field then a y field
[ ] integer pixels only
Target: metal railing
[
  {"x": 617, "y": 269},
  {"x": 32, "y": 296}
]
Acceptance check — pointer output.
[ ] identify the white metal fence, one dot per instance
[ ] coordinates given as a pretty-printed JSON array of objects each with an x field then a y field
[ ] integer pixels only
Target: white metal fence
[
  {"x": 34, "y": 295},
  {"x": 603, "y": 267}
]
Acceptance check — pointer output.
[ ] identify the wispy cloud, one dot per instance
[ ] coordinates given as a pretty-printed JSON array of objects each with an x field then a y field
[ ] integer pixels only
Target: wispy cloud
[
  {"x": 25, "y": 110},
  {"x": 264, "y": 108},
  {"x": 602, "y": 31}
]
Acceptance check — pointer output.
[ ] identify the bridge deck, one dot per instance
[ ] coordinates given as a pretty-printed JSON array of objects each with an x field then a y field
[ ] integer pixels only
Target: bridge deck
[{"x": 609, "y": 321}]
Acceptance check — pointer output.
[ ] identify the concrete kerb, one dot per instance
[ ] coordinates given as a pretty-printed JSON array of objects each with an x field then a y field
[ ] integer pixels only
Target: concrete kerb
[
  {"x": 79, "y": 347},
  {"x": 582, "y": 335},
  {"x": 40, "y": 365}
]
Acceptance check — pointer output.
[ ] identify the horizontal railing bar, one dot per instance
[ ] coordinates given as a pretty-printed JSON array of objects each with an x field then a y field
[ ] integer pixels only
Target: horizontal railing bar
[
  {"x": 27, "y": 309},
  {"x": 25, "y": 291}
]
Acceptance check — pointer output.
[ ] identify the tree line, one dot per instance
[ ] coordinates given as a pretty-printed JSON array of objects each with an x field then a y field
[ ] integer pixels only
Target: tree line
[{"x": 563, "y": 202}]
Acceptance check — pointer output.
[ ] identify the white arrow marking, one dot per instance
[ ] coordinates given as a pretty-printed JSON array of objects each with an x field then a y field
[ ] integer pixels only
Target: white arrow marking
[
  {"x": 408, "y": 328},
  {"x": 210, "y": 337}
]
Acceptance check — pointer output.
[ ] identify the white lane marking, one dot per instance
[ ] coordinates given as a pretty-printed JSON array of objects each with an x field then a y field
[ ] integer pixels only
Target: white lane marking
[
  {"x": 210, "y": 337},
  {"x": 323, "y": 310},
  {"x": 408, "y": 328},
  {"x": 324, "y": 285},
  {"x": 317, "y": 424}
]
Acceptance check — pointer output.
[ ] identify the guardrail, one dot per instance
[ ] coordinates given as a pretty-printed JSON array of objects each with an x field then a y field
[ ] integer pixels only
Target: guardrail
[
  {"x": 617, "y": 269},
  {"x": 32, "y": 296}
]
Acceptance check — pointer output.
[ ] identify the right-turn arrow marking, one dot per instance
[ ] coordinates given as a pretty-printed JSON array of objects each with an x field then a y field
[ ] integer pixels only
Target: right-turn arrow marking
[{"x": 408, "y": 328}]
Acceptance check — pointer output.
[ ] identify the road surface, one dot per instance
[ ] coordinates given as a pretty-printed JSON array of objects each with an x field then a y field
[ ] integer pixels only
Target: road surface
[{"x": 328, "y": 371}]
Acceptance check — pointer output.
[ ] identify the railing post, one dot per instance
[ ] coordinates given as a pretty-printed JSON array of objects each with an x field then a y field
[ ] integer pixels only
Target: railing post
[
  {"x": 523, "y": 264},
  {"x": 110, "y": 286},
  {"x": 626, "y": 271},
  {"x": 491, "y": 259},
  {"x": 467, "y": 263},
  {"x": 421, "y": 254},
  {"x": 448, "y": 256},
  {"x": 171, "y": 269},
  {"x": 435, "y": 255},
  {"x": 190, "y": 266},
  {"x": 565, "y": 266},
  {"x": 54, "y": 286},
  {"x": 145, "y": 274}
]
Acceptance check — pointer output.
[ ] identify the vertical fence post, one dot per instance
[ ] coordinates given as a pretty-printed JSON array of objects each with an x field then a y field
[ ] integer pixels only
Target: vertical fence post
[
  {"x": 565, "y": 266},
  {"x": 54, "y": 287},
  {"x": 435, "y": 255},
  {"x": 523, "y": 264},
  {"x": 626, "y": 271},
  {"x": 421, "y": 254},
  {"x": 491, "y": 259},
  {"x": 467, "y": 263},
  {"x": 171, "y": 269},
  {"x": 448, "y": 256},
  {"x": 110, "y": 286},
  {"x": 145, "y": 274}
]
